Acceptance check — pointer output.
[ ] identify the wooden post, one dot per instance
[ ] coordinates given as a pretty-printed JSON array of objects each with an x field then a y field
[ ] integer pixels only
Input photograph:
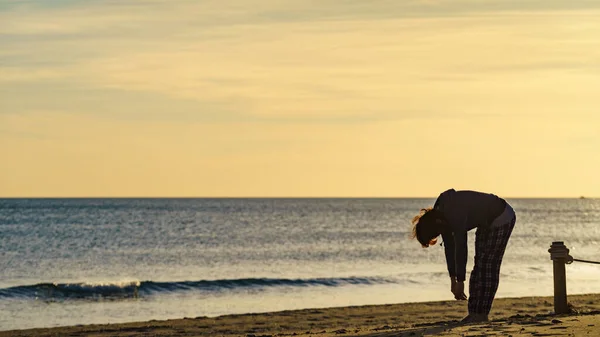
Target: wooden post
[
  {"x": 560, "y": 288},
  {"x": 559, "y": 254}
]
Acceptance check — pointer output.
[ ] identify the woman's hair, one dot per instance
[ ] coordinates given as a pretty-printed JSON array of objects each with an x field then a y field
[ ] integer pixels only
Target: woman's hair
[{"x": 426, "y": 227}]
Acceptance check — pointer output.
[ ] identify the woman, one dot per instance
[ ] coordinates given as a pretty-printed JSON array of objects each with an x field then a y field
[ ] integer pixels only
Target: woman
[{"x": 452, "y": 216}]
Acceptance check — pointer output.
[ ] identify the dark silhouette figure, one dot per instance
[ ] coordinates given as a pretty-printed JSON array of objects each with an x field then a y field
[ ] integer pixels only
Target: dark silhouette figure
[{"x": 453, "y": 215}]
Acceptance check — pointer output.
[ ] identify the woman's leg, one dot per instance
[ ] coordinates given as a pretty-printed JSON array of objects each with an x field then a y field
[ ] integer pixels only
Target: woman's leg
[{"x": 490, "y": 245}]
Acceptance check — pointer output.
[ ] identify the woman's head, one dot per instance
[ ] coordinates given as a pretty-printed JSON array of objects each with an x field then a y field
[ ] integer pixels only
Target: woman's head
[{"x": 427, "y": 226}]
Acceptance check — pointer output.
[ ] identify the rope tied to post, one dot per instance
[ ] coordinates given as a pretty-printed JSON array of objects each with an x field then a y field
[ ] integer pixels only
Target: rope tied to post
[
  {"x": 559, "y": 252},
  {"x": 586, "y": 261}
]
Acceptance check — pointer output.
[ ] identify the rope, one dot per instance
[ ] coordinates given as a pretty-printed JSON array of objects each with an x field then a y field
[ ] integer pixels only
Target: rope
[{"x": 586, "y": 261}]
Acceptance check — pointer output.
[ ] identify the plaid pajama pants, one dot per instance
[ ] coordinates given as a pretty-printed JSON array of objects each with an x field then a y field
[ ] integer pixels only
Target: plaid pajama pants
[{"x": 490, "y": 244}]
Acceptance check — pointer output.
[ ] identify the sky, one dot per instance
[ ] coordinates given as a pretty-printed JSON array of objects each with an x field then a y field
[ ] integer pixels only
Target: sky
[{"x": 299, "y": 98}]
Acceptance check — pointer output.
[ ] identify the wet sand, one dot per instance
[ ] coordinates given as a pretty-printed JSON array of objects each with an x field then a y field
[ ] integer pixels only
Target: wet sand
[{"x": 526, "y": 316}]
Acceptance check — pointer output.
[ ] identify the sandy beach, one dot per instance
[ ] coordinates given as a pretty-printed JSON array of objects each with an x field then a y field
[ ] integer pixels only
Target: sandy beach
[{"x": 526, "y": 316}]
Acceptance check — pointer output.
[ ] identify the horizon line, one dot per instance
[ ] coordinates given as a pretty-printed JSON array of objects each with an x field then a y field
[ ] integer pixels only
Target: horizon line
[{"x": 273, "y": 197}]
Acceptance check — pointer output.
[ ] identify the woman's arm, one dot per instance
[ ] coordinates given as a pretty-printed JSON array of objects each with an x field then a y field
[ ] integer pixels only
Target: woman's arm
[{"x": 448, "y": 238}]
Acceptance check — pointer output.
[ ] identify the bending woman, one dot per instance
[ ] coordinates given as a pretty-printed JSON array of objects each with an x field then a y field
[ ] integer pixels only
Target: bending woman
[{"x": 453, "y": 215}]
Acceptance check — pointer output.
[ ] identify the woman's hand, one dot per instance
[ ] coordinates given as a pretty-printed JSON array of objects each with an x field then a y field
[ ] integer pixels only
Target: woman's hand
[{"x": 458, "y": 289}]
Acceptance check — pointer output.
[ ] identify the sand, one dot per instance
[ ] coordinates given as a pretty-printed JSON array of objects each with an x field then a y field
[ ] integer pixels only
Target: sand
[{"x": 527, "y": 316}]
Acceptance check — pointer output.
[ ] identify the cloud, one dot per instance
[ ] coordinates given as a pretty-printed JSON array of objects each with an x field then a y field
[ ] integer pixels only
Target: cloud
[
  {"x": 134, "y": 17},
  {"x": 273, "y": 61},
  {"x": 24, "y": 74},
  {"x": 111, "y": 104}
]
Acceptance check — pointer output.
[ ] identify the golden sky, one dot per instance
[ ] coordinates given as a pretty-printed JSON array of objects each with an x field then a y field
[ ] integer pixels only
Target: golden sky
[{"x": 299, "y": 98}]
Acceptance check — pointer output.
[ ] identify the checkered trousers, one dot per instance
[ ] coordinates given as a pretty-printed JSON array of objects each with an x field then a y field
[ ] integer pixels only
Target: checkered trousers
[{"x": 489, "y": 250}]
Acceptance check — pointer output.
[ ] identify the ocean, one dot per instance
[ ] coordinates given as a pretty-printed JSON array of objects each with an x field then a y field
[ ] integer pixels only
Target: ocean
[{"x": 83, "y": 261}]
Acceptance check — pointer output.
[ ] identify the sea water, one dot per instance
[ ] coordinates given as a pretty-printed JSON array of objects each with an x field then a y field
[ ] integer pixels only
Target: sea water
[{"x": 82, "y": 261}]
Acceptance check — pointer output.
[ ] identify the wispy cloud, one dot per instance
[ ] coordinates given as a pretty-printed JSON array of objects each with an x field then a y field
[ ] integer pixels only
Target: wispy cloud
[
  {"x": 112, "y": 104},
  {"x": 334, "y": 71},
  {"x": 145, "y": 18}
]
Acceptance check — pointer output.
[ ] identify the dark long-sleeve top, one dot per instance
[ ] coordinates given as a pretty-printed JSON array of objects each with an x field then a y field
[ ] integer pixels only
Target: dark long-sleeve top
[{"x": 463, "y": 211}]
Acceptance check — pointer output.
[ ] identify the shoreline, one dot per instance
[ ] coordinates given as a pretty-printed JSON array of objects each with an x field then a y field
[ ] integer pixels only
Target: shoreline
[{"x": 522, "y": 314}]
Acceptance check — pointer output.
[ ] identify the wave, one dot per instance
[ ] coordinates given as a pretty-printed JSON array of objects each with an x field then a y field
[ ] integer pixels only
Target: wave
[{"x": 136, "y": 289}]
